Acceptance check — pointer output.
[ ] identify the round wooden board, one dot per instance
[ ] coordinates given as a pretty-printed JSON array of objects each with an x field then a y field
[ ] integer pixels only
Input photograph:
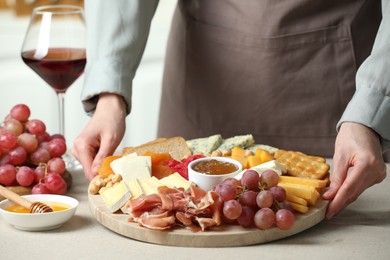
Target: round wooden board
[{"x": 222, "y": 236}]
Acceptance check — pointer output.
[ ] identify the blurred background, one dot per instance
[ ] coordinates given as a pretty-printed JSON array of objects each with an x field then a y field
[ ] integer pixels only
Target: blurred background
[{"x": 19, "y": 84}]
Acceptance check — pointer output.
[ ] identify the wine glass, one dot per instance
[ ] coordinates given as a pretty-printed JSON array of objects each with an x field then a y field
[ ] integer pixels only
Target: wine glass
[{"x": 54, "y": 47}]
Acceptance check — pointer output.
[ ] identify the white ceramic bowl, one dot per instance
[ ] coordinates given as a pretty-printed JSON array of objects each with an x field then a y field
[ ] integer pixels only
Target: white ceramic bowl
[
  {"x": 39, "y": 222},
  {"x": 207, "y": 181}
]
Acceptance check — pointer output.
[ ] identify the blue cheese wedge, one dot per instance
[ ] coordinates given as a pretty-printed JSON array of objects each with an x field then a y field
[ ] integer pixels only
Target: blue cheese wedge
[
  {"x": 242, "y": 141},
  {"x": 270, "y": 165},
  {"x": 116, "y": 196},
  {"x": 264, "y": 147},
  {"x": 132, "y": 167},
  {"x": 175, "y": 180},
  {"x": 205, "y": 145}
]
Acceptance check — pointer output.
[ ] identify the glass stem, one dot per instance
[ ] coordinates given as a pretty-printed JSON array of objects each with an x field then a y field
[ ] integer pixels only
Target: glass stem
[{"x": 61, "y": 113}]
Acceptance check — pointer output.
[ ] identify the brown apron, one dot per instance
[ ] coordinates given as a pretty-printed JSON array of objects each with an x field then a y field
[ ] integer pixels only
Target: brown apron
[{"x": 281, "y": 70}]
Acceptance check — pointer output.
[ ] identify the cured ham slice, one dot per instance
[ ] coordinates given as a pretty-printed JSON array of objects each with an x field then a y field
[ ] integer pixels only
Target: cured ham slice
[
  {"x": 205, "y": 223},
  {"x": 185, "y": 219},
  {"x": 166, "y": 202},
  {"x": 216, "y": 208},
  {"x": 157, "y": 221},
  {"x": 167, "y": 190},
  {"x": 197, "y": 193},
  {"x": 144, "y": 203},
  {"x": 194, "y": 207}
]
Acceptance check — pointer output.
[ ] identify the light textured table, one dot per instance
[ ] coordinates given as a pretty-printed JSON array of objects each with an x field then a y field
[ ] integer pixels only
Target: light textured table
[{"x": 361, "y": 231}]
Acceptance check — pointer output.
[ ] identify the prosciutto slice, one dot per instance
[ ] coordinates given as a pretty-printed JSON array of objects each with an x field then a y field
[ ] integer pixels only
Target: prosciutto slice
[
  {"x": 160, "y": 221},
  {"x": 144, "y": 203},
  {"x": 170, "y": 207}
]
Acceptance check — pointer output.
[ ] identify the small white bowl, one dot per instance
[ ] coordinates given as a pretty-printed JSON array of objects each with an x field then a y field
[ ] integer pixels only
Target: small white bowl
[
  {"x": 208, "y": 181},
  {"x": 39, "y": 222}
]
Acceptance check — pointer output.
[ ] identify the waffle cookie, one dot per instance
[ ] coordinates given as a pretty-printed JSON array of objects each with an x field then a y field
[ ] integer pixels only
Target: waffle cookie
[{"x": 301, "y": 165}]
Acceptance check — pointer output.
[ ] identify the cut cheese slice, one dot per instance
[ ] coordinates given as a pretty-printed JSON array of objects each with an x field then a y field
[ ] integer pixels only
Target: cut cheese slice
[
  {"x": 131, "y": 167},
  {"x": 308, "y": 193},
  {"x": 116, "y": 196},
  {"x": 299, "y": 207},
  {"x": 175, "y": 180},
  {"x": 154, "y": 182},
  {"x": 134, "y": 188},
  {"x": 305, "y": 181},
  {"x": 146, "y": 188},
  {"x": 296, "y": 199}
]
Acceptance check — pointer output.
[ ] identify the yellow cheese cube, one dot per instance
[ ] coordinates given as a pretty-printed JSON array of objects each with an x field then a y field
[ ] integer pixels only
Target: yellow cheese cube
[
  {"x": 239, "y": 155},
  {"x": 238, "y": 152},
  {"x": 264, "y": 155},
  {"x": 253, "y": 161}
]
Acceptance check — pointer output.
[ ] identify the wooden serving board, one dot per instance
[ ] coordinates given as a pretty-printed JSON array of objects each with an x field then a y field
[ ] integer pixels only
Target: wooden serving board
[{"x": 222, "y": 236}]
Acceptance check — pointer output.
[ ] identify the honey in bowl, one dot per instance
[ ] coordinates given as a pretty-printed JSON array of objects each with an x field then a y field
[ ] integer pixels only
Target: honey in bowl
[
  {"x": 56, "y": 206},
  {"x": 215, "y": 167}
]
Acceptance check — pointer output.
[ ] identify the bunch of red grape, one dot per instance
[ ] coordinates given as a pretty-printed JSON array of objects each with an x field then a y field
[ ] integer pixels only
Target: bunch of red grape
[
  {"x": 29, "y": 156},
  {"x": 255, "y": 200}
]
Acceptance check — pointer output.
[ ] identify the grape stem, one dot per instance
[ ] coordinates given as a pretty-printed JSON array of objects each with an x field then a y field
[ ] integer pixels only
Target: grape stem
[
  {"x": 277, "y": 205},
  {"x": 243, "y": 189}
]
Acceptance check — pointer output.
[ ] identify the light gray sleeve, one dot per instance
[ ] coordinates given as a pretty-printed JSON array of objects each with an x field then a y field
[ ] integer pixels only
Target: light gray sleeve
[
  {"x": 370, "y": 104},
  {"x": 117, "y": 35}
]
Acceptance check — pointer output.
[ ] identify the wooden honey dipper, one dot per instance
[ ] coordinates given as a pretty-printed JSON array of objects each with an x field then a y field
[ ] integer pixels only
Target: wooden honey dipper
[{"x": 34, "y": 207}]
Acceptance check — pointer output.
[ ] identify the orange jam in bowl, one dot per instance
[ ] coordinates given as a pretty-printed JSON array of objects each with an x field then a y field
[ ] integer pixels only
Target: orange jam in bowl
[
  {"x": 209, "y": 171},
  {"x": 214, "y": 167},
  {"x": 56, "y": 206}
]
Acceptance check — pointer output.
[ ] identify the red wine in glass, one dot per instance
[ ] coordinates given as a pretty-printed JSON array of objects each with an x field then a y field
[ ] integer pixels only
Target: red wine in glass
[
  {"x": 54, "y": 48},
  {"x": 60, "y": 67}
]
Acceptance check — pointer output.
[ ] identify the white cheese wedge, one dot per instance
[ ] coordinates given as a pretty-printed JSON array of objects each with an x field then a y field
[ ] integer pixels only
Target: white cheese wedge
[
  {"x": 273, "y": 165},
  {"x": 155, "y": 182},
  {"x": 146, "y": 188},
  {"x": 131, "y": 167},
  {"x": 134, "y": 188},
  {"x": 116, "y": 196},
  {"x": 175, "y": 180}
]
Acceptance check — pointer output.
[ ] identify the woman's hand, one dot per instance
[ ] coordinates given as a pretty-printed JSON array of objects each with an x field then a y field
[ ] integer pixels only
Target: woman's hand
[
  {"x": 102, "y": 135},
  {"x": 358, "y": 164}
]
